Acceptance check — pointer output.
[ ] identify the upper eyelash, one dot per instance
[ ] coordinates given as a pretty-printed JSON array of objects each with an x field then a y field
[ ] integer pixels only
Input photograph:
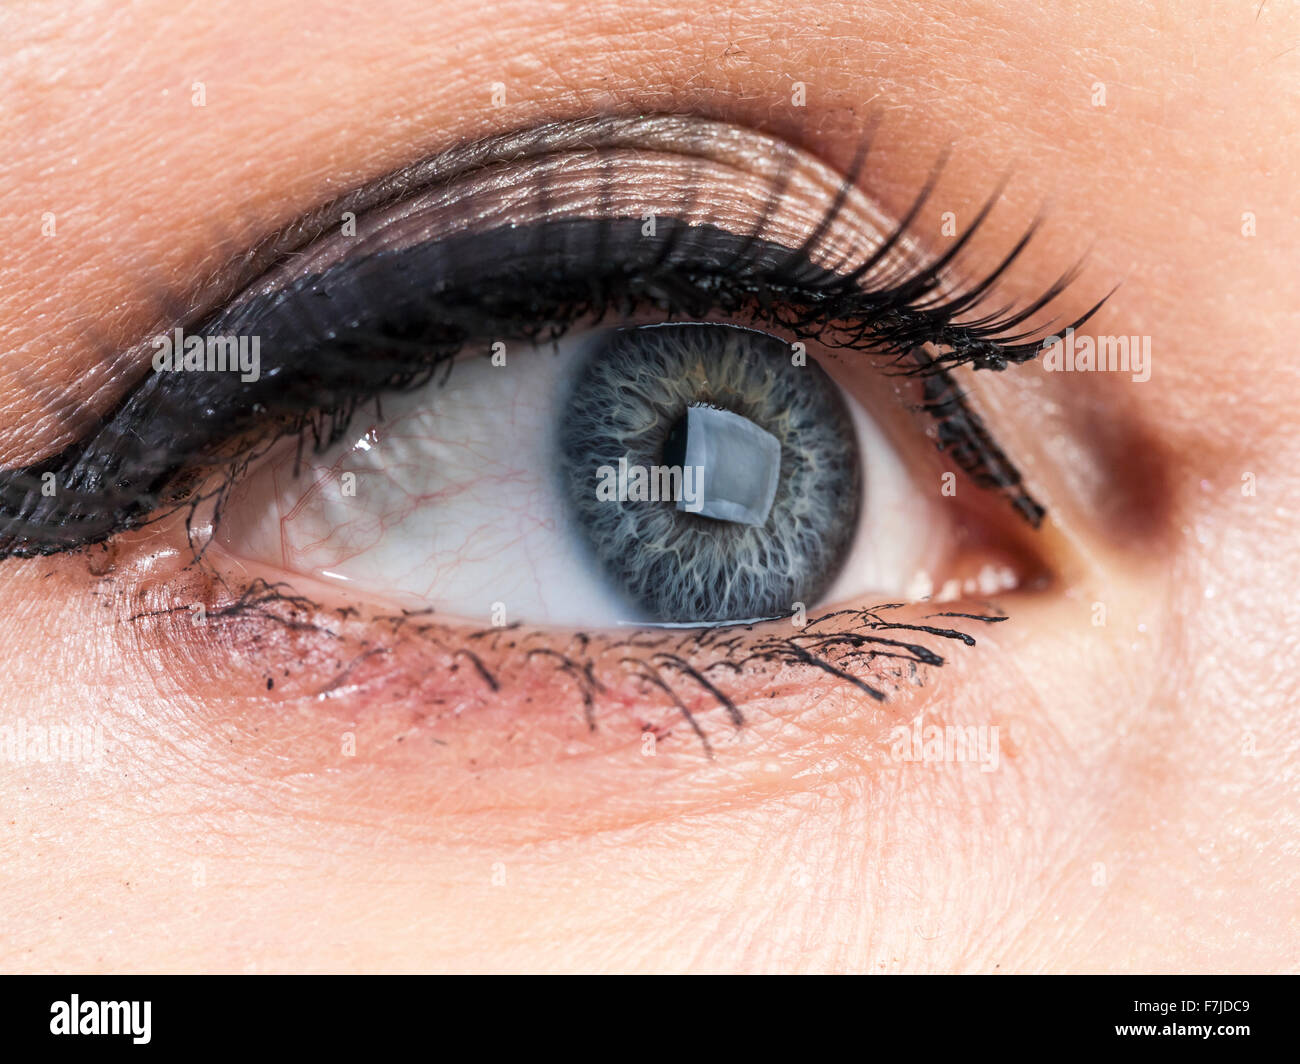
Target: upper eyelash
[{"x": 127, "y": 470}]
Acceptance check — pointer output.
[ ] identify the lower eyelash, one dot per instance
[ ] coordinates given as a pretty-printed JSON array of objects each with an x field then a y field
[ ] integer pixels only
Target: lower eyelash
[
  {"x": 871, "y": 651},
  {"x": 179, "y": 425}
]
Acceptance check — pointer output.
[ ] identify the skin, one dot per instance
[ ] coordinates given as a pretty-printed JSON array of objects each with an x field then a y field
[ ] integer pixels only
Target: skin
[{"x": 1144, "y": 813}]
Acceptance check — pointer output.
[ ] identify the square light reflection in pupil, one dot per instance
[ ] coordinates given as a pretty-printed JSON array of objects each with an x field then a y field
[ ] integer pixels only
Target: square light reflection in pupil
[{"x": 737, "y": 463}]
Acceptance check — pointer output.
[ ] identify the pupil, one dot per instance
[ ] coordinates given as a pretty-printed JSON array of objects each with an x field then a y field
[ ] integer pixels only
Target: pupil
[{"x": 674, "y": 452}]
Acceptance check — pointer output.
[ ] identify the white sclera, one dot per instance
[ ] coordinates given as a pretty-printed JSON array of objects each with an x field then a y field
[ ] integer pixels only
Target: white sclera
[
  {"x": 741, "y": 465},
  {"x": 457, "y": 502}
]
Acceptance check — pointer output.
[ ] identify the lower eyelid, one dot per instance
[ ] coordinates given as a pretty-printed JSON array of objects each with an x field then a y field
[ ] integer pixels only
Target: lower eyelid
[
  {"x": 508, "y": 695},
  {"x": 269, "y": 652}
]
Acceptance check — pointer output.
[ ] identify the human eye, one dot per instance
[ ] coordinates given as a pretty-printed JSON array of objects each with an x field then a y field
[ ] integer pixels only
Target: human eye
[
  {"x": 551, "y": 389},
  {"x": 573, "y": 488},
  {"x": 363, "y": 654}
]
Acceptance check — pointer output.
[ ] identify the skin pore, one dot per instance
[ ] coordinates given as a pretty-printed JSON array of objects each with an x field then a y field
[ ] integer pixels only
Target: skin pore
[{"x": 1143, "y": 813}]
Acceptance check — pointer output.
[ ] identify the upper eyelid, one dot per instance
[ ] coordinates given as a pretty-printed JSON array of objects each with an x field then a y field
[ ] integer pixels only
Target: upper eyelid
[
  {"x": 686, "y": 134},
  {"x": 708, "y": 140},
  {"x": 748, "y": 151}
]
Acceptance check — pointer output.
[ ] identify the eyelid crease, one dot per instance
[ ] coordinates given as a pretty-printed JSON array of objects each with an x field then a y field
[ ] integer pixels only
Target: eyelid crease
[
  {"x": 93, "y": 483},
  {"x": 686, "y": 135},
  {"x": 553, "y": 161}
]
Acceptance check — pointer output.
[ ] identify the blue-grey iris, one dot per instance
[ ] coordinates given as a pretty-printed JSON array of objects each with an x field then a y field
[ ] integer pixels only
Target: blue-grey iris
[{"x": 712, "y": 477}]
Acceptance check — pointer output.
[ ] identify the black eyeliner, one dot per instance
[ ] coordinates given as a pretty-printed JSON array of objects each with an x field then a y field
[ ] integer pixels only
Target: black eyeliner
[{"x": 336, "y": 339}]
